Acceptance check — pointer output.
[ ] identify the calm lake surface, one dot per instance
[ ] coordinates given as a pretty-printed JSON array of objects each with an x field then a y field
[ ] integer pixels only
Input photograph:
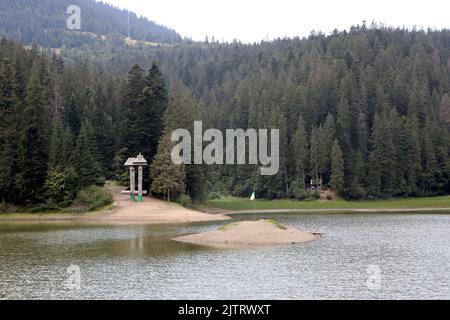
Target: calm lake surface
[{"x": 411, "y": 252}]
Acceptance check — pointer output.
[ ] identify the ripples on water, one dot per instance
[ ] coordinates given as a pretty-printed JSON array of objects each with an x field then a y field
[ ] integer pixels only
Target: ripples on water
[{"x": 141, "y": 262}]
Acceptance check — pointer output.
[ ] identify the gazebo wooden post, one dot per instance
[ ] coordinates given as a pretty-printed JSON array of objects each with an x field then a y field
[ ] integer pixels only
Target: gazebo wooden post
[
  {"x": 140, "y": 181},
  {"x": 132, "y": 183}
]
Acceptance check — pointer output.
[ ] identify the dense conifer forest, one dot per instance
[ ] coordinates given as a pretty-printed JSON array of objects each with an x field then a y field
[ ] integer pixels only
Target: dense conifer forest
[{"x": 366, "y": 110}]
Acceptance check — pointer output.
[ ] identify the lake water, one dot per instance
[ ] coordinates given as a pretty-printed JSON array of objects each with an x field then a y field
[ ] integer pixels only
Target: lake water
[{"x": 370, "y": 256}]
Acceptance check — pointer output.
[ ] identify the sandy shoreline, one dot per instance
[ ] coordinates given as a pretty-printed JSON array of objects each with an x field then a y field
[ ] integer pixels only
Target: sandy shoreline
[
  {"x": 150, "y": 211},
  {"x": 250, "y": 233},
  {"x": 154, "y": 211}
]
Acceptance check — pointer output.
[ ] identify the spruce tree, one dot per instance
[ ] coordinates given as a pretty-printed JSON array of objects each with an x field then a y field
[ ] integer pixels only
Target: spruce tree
[
  {"x": 55, "y": 147},
  {"x": 60, "y": 185},
  {"x": 375, "y": 158},
  {"x": 33, "y": 143},
  {"x": 337, "y": 169},
  {"x": 182, "y": 111},
  {"x": 87, "y": 167},
  {"x": 326, "y": 138},
  {"x": 132, "y": 105},
  {"x": 300, "y": 147},
  {"x": 73, "y": 115},
  {"x": 154, "y": 105},
  {"x": 168, "y": 179},
  {"x": 314, "y": 154},
  {"x": 412, "y": 152}
]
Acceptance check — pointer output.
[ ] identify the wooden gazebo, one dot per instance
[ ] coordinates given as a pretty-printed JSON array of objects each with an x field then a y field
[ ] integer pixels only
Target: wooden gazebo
[{"x": 132, "y": 163}]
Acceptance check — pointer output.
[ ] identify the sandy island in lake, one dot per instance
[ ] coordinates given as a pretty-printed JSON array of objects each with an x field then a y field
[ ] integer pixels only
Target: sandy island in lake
[{"x": 250, "y": 233}]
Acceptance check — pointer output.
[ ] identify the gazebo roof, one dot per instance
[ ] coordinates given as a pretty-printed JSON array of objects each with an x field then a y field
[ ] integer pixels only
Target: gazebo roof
[
  {"x": 130, "y": 162},
  {"x": 138, "y": 161}
]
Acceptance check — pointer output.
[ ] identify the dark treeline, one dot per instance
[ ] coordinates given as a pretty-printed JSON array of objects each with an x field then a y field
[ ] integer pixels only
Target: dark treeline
[
  {"x": 367, "y": 111},
  {"x": 44, "y": 22}
]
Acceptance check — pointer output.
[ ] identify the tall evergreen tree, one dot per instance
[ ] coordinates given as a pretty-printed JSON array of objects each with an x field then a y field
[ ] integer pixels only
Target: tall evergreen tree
[
  {"x": 168, "y": 179},
  {"x": 300, "y": 146},
  {"x": 33, "y": 143},
  {"x": 326, "y": 138},
  {"x": 314, "y": 154},
  {"x": 337, "y": 169},
  {"x": 151, "y": 114},
  {"x": 88, "y": 169},
  {"x": 129, "y": 128}
]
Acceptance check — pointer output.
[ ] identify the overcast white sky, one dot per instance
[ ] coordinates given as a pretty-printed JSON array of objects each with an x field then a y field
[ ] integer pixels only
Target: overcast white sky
[{"x": 250, "y": 21}]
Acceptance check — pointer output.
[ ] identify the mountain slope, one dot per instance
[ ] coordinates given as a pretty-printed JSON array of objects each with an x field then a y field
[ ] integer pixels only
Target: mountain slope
[{"x": 44, "y": 22}]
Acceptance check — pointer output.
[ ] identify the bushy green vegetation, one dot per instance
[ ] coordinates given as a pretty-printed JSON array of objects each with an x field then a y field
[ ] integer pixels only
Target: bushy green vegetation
[
  {"x": 87, "y": 200},
  {"x": 185, "y": 201},
  {"x": 92, "y": 198}
]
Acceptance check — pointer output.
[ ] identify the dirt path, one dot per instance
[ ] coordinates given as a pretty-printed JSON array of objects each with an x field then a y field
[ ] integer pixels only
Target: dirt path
[{"x": 152, "y": 210}]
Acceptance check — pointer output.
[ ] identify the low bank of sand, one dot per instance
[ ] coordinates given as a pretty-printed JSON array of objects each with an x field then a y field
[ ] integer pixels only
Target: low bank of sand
[
  {"x": 150, "y": 211},
  {"x": 250, "y": 233}
]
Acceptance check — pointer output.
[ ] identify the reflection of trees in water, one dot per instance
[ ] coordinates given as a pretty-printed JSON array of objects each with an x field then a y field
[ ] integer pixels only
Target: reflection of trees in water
[{"x": 151, "y": 246}]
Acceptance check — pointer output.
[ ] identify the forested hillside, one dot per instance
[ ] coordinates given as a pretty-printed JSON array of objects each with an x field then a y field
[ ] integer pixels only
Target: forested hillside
[
  {"x": 44, "y": 22},
  {"x": 374, "y": 102},
  {"x": 368, "y": 111}
]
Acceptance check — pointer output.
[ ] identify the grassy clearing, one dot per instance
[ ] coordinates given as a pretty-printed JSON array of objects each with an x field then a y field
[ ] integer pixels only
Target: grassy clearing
[{"x": 233, "y": 203}]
